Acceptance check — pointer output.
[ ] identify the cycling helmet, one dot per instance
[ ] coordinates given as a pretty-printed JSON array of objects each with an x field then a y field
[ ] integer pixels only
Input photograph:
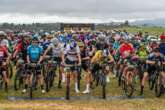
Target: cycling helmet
[
  {"x": 35, "y": 38},
  {"x": 73, "y": 44},
  {"x": 80, "y": 44},
  {"x": 2, "y": 34},
  {"x": 55, "y": 41},
  {"x": 99, "y": 46},
  {"x": 25, "y": 34}
]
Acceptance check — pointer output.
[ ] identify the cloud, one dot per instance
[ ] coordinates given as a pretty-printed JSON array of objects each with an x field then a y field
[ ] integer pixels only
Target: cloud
[{"x": 83, "y": 10}]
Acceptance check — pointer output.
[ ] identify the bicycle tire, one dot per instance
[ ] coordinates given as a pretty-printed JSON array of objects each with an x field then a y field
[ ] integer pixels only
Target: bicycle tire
[
  {"x": 104, "y": 91},
  {"x": 68, "y": 88},
  {"x": 31, "y": 92},
  {"x": 158, "y": 86},
  {"x": 129, "y": 90},
  {"x": 47, "y": 82}
]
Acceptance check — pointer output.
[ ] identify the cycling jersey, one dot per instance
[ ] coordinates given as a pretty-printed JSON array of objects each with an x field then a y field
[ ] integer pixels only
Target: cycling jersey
[
  {"x": 162, "y": 48},
  {"x": 152, "y": 57},
  {"x": 45, "y": 45},
  {"x": 34, "y": 53},
  {"x": 3, "y": 52},
  {"x": 142, "y": 54},
  {"x": 116, "y": 45},
  {"x": 162, "y": 37},
  {"x": 71, "y": 54},
  {"x": 85, "y": 63},
  {"x": 22, "y": 48},
  {"x": 126, "y": 48},
  {"x": 5, "y": 43},
  {"x": 99, "y": 56},
  {"x": 56, "y": 51}
]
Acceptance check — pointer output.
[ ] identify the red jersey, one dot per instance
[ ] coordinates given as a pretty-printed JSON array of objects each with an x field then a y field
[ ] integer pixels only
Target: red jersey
[
  {"x": 126, "y": 47},
  {"x": 3, "y": 52},
  {"x": 162, "y": 37},
  {"x": 20, "y": 47}
]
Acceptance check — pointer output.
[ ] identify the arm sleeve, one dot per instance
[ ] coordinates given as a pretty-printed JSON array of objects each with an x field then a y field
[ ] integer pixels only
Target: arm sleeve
[
  {"x": 28, "y": 50},
  {"x": 110, "y": 57},
  {"x": 77, "y": 49},
  {"x": 41, "y": 51}
]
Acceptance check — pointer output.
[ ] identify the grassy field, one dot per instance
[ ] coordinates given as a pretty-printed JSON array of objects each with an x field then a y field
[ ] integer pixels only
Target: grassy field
[
  {"x": 149, "y": 102},
  {"x": 150, "y": 30}
]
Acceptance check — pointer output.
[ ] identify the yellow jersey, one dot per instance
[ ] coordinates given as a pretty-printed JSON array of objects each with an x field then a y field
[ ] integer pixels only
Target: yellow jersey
[{"x": 98, "y": 57}]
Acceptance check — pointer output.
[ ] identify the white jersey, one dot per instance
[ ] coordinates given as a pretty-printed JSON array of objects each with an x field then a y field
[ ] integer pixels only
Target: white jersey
[
  {"x": 71, "y": 54},
  {"x": 5, "y": 43},
  {"x": 56, "y": 51}
]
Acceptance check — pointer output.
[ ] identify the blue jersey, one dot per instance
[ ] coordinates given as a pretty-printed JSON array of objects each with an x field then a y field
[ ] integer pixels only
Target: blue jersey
[
  {"x": 34, "y": 53},
  {"x": 162, "y": 48},
  {"x": 152, "y": 57},
  {"x": 45, "y": 45},
  {"x": 116, "y": 45}
]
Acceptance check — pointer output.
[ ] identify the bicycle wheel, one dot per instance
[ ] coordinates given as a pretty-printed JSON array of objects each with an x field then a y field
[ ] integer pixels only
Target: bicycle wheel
[
  {"x": 152, "y": 80},
  {"x": 102, "y": 82},
  {"x": 129, "y": 87},
  {"x": 47, "y": 82},
  {"x": 97, "y": 78},
  {"x": 151, "y": 84},
  {"x": 52, "y": 78},
  {"x": 79, "y": 80},
  {"x": 104, "y": 91},
  {"x": 1, "y": 81},
  {"x": 33, "y": 85},
  {"x": 158, "y": 86},
  {"x": 31, "y": 92},
  {"x": 104, "y": 87},
  {"x": 123, "y": 83},
  {"x": 68, "y": 87},
  {"x": 129, "y": 90},
  {"x": 16, "y": 82},
  {"x": 119, "y": 79}
]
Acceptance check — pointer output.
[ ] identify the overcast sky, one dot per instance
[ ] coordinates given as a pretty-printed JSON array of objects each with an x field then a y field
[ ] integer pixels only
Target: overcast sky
[{"x": 28, "y": 11}]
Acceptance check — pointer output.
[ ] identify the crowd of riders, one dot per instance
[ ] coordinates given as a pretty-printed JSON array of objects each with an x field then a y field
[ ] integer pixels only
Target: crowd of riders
[{"x": 120, "y": 49}]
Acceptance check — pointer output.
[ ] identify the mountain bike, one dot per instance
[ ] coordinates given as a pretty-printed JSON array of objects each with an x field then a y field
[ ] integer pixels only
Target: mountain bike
[
  {"x": 50, "y": 74},
  {"x": 33, "y": 78},
  {"x": 20, "y": 75}
]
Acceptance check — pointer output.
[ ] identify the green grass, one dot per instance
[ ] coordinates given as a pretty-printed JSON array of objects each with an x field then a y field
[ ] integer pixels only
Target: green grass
[
  {"x": 150, "y": 30},
  {"x": 150, "y": 102}
]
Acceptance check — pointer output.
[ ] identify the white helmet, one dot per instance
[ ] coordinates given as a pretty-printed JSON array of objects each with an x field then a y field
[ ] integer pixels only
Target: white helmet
[{"x": 55, "y": 41}]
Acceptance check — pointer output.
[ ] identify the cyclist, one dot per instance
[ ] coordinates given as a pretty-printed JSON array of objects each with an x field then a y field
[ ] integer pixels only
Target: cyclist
[
  {"x": 125, "y": 50},
  {"x": 56, "y": 52},
  {"x": 4, "y": 60},
  {"x": 34, "y": 55},
  {"x": 71, "y": 56},
  {"x": 151, "y": 60},
  {"x": 85, "y": 66},
  {"x": 21, "y": 47},
  {"x": 100, "y": 56},
  {"x": 47, "y": 42},
  {"x": 142, "y": 52},
  {"x": 162, "y": 47}
]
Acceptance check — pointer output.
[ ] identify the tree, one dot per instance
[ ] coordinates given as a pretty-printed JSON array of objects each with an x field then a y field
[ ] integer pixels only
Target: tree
[{"x": 126, "y": 23}]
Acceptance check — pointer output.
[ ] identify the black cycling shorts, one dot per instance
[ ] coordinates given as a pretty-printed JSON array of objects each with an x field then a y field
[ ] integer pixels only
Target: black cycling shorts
[
  {"x": 73, "y": 68},
  {"x": 85, "y": 65},
  {"x": 29, "y": 69},
  {"x": 150, "y": 69},
  {"x": 57, "y": 59}
]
